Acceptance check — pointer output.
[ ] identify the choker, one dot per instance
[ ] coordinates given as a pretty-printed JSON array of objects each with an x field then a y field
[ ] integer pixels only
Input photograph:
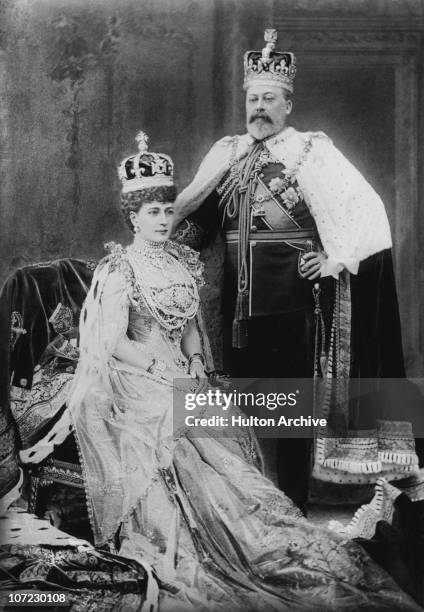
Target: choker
[{"x": 148, "y": 248}]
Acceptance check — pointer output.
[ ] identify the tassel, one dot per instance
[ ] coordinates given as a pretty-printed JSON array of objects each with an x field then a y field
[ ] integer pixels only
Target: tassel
[
  {"x": 241, "y": 314},
  {"x": 323, "y": 363},
  {"x": 240, "y": 334},
  {"x": 243, "y": 300}
]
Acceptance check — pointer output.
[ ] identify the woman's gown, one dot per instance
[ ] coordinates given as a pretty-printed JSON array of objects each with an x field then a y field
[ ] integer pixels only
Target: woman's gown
[{"x": 216, "y": 533}]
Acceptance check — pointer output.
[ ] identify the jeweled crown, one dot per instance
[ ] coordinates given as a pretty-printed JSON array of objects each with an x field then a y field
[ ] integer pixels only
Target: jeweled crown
[
  {"x": 269, "y": 67},
  {"x": 145, "y": 169}
]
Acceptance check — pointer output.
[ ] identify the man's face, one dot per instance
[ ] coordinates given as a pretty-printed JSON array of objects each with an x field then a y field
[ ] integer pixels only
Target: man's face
[{"x": 266, "y": 110}]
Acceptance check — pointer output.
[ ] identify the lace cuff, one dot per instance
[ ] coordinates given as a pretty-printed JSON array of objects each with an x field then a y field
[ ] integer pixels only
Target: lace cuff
[{"x": 331, "y": 267}]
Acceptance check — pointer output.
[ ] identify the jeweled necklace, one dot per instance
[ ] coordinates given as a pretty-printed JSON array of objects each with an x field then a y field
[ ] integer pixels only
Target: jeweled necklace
[
  {"x": 152, "y": 251},
  {"x": 146, "y": 258}
]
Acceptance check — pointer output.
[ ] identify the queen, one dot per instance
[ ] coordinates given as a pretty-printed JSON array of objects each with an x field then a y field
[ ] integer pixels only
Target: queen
[{"x": 197, "y": 512}]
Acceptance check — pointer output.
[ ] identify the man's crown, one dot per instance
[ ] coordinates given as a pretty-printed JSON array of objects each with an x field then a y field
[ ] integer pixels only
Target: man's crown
[
  {"x": 269, "y": 67},
  {"x": 145, "y": 169}
]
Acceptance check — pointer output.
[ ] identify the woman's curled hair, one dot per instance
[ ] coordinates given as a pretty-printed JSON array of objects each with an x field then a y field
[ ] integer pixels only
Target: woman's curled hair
[{"x": 134, "y": 200}]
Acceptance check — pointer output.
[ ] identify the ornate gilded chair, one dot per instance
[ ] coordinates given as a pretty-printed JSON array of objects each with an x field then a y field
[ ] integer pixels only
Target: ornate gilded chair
[{"x": 41, "y": 304}]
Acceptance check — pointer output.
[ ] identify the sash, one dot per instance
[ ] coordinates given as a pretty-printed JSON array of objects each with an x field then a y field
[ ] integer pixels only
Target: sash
[{"x": 270, "y": 209}]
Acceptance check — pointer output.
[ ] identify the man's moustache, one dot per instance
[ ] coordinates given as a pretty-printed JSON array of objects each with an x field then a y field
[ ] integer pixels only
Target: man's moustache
[{"x": 263, "y": 116}]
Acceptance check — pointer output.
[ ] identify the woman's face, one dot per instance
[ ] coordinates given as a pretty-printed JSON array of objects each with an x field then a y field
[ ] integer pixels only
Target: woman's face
[{"x": 153, "y": 221}]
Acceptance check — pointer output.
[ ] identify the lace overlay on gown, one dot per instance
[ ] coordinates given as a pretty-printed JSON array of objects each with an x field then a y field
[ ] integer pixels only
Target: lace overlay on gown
[{"x": 198, "y": 511}]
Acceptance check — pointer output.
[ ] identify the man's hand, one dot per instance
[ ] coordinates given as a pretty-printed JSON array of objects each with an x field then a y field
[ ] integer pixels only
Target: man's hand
[{"x": 311, "y": 263}]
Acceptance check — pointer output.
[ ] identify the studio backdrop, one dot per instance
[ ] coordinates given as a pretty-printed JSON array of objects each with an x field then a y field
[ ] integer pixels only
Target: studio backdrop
[{"x": 78, "y": 79}]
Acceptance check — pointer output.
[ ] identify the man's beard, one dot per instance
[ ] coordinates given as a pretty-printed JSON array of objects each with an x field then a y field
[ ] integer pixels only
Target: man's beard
[{"x": 260, "y": 125}]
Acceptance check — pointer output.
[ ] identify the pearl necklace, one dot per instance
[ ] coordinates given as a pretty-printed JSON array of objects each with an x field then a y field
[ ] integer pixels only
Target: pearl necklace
[
  {"x": 151, "y": 251},
  {"x": 152, "y": 263}
]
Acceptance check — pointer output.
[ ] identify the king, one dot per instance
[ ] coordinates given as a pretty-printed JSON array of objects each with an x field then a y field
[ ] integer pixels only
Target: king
[{"x": 308, "y": 257}]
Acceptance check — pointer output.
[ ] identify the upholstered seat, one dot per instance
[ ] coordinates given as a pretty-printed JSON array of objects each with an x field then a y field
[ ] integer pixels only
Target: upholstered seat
[{"x": 39, "y": 312}]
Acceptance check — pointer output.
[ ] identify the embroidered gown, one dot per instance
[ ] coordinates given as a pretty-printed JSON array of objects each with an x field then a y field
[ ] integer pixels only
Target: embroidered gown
[{"x": 196, "y": 511}]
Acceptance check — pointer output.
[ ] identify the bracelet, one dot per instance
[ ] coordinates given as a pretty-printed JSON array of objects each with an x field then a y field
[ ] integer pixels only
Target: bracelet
[
  {"x": 157, "y": 365},
  {"x": 196, "y": 357}
]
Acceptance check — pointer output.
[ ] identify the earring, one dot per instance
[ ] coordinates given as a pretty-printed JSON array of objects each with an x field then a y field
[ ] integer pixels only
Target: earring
[{"x": 136, "y": 228}]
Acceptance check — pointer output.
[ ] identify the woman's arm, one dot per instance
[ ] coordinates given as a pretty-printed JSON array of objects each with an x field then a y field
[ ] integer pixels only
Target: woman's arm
[
  {"x": 114, "y": 307},
  {"x": 191, "y": 347},
  {"x": 190, "y": 343},
  {"x": 127, "y": 351}
]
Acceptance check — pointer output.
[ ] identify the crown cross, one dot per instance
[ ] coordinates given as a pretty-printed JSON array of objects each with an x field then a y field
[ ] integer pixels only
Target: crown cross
[
  {"x": 143, "y": 142},
  {"x": 270, "y": 37}
]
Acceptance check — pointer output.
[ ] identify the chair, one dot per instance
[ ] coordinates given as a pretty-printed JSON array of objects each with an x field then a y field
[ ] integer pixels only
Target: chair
[{"x": 41, "y": 305}]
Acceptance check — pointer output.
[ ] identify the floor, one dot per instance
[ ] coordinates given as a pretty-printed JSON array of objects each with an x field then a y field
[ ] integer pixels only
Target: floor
[{"x": 322, "y": 514}]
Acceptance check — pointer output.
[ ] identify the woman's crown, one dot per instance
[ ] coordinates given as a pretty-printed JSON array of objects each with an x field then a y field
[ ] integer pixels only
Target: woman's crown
[{"x": 145, "y": 168}]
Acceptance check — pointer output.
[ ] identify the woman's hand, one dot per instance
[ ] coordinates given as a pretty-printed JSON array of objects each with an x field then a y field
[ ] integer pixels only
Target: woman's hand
[
  {"x": 197, "y": 371},
  {"x": 311, "y": 264}
]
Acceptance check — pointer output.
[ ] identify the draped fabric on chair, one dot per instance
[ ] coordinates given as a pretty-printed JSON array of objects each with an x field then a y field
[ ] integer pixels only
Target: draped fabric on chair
[{"x": 27, "y": 301}]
